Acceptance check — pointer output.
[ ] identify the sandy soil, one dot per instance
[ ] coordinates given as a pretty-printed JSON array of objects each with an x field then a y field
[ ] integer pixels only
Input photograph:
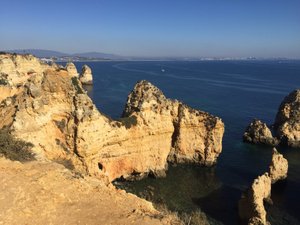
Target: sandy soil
[{"x": 48, "y": 193}]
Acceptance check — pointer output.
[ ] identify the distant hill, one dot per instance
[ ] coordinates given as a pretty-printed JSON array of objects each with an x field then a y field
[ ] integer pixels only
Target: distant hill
[
  {"x": 96, "y": 55},
  {"x": 41, "y": 53}
]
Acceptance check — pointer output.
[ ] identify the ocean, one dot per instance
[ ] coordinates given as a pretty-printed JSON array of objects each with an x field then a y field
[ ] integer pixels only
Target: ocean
[{"x": 237, "y": 92}]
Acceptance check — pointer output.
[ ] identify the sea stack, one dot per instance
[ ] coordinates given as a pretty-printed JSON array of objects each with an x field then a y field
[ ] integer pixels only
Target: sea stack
[
  {"x": 86, "y": 76},
  {"x": 71, "y": 68},
  {"x": 278, "y": 167},
  {"x": 259, "y": 133},
  {"x": 251, "y": 204},
  {"x": 286, "y": 126}
]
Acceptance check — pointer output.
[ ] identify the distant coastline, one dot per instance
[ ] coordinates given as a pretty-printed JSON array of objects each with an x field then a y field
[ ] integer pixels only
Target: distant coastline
[{"x": 56, "y": 56}]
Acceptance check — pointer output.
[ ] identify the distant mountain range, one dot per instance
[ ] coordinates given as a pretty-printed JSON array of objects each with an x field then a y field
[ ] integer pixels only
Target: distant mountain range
[{"x": 41, "y": 53}]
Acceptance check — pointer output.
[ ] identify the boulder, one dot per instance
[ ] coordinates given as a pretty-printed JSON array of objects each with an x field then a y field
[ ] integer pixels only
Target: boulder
[
  {"x": 86, "y": 76},
  {"x": 71, "y": 68},
  {"x": 259, "y": 133},
  {"x": 278, "y": 167}
]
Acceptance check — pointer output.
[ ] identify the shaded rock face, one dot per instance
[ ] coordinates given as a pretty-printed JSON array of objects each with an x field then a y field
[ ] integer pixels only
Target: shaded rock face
[
  {"x": 52, "y": 111},
  {"x": 278, "y": 167},
  {"x": 71, "y": 68},
  {"x": 86, "y": 76},
  {"x": 259, "y": 133},
  {"x": 251, "y": 205},
  {"x": 287, "y": 122},
  {"x": 286, "y": 126}
]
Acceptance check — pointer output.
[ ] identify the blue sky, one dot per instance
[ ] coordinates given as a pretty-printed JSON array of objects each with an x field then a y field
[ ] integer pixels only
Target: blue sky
[{"x": 234, "y": 28}]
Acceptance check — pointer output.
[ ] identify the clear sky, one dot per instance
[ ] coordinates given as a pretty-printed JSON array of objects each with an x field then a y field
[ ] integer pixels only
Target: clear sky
[{"x": 263, "y": 28}]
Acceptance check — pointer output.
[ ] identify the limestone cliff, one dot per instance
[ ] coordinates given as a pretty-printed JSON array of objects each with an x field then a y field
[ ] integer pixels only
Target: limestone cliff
[
  {"x": 52, "y": 111},
  {"x": 286, "y": 126},
  {"x": 287, "y": 122},
  {"x": 86, "y": 76},
  {"x": 16, "y": 69}
]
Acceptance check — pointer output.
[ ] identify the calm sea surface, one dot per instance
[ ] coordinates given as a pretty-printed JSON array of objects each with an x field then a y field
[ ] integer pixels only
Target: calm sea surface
[{"x": 236, "y": 91}]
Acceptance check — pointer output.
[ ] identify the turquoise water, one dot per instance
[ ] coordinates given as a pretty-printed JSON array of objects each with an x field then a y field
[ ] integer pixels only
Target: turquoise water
[{"x": 236, "y": 91}]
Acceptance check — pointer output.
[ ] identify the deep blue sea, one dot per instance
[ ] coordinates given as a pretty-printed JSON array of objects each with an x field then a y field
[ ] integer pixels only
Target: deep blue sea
[{"x": 237, "y": 92}]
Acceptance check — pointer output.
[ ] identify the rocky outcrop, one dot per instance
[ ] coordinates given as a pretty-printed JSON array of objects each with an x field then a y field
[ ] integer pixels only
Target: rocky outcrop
[
  {"x": 196, "y": 136},
  {"x": 287, "y": 122},
  {"x": 71, "y": 68},
  {"x": 251, "y": 205},
  {"x": 259, "y": 133},
  {"x": 278, "y": 167},
  {"x": 286, "y": 126},
  {"x": 16, "y": 69},
  {"x": 86, "y": 76},
  {"x": 52, "y": 111}
]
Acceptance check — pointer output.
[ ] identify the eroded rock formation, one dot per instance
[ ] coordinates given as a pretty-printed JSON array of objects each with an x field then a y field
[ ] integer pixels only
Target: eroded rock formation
[
  {"x": 71, "y": 68},
  {"x": 251, "y": 205},
  {"x": 278, "y": 167},
  {"x": 287, "y": 122},
  {"x": 16, "y": 69},
  {"x": 86, "y": 76},
  {"x": 286, "y": 126},
  {"x": 52, "y": 111},
  {"x": 259, "y": 133}
]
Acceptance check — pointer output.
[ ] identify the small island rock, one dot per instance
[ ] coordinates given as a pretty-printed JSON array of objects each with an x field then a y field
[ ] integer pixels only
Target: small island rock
[
  {"x": 259, "y": 133},
  {"x": 86, "y": 76}
]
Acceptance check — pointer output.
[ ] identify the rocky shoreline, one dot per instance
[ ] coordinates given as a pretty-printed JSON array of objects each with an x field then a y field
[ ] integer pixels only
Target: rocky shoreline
[{"x": 45, "y": 105}]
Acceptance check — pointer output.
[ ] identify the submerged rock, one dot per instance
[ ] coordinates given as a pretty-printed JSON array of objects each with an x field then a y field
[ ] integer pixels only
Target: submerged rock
[
  {"x": 278, "y": 167},
  {"x": 71, "y": 68},
  {"x": 287, "y": 122},
  {"x": 86, "y": 76},
  {"x": 259, "y": 133},
  {"x": 251, "y": 205},
  {"x": 52, "y": 111}
]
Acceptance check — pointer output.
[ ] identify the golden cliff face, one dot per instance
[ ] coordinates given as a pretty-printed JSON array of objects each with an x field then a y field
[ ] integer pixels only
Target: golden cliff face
[{"x": 51, "y": 110}]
